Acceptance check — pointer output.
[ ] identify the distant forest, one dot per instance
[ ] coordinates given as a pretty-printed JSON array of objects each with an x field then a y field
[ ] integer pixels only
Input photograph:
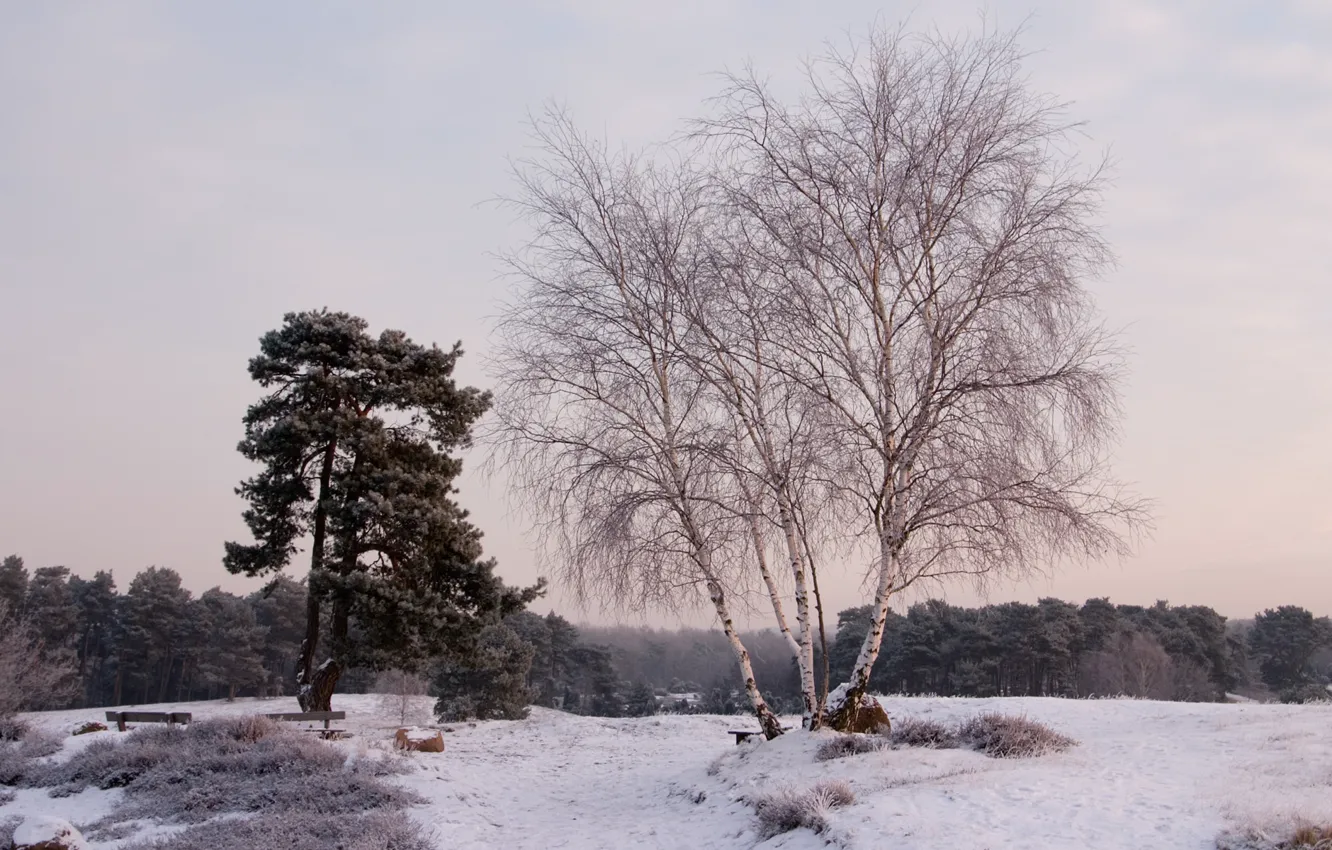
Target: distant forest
[{"x": 156, "y": 642}]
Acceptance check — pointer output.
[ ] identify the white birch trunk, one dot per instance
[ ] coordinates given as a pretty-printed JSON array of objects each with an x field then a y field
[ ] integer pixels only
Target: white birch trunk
[
  {"x": 805, "y": 651},
  {"x": 769, "y": 722}
]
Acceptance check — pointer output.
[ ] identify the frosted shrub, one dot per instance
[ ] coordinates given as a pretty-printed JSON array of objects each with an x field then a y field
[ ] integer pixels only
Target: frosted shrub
[
  {"x": 17, "y": 758},
  {"x": 279, "y": 778},
  {"x": 1006, "y": 736},
  {"x": 918, "y": 732},
  {"x": 1301, "y": 836},
  {"x": 12, "y": 728},
  {"x": 787, "y": 808},
  {"x": 39, "y": 745},
  {"x": 246, "y": 730},
  {"x": 11, "y": 765},
  {"x": 297, "y": 831},
  {"x": 398, "y": 692},
  {"x": 842, "y": 746}
]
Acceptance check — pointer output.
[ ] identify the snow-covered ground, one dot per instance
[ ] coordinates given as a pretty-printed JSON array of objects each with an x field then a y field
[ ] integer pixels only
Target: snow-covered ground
[{"x": 1145, "y": 775}]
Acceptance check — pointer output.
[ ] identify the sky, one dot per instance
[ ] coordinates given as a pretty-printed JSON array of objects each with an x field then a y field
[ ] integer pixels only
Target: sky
[{"x": 176, "y": 176}]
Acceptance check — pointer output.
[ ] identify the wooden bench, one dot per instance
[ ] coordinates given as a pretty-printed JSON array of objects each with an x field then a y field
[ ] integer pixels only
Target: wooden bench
[
  {"x": 313, "y": 717},
  {"x": 742, "y": 735},
  {"x": 171, "y": 718}
]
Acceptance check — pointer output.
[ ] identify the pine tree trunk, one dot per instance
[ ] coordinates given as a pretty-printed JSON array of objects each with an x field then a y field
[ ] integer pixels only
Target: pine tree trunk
[
  {"x": 325, "y": 678},
  {"x": 319, "y": 694},
  {"x": 304, "y": 668}
]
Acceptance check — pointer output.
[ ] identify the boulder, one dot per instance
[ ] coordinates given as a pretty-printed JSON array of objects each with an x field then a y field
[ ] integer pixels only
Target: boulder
[
  {"x": 865, "y": 717},
  {"x": 46, "y": 833},
  {"x": 419, "y": 740}
]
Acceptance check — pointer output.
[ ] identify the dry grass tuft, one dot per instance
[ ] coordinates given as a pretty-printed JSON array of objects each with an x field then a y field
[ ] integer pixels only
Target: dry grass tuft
[
  {"x": 1302, "y": 836},
  {"x": 13, "y": 728},
  {"x": 920, "y": 732},
  {"x": 1006, "y": 736},
  {"x": 842, "y": 746},
  {"x": 787, "y": 809}
]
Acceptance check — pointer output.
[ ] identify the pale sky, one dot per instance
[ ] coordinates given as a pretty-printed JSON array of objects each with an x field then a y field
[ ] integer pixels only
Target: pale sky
[{"x": 175, "y": 176}]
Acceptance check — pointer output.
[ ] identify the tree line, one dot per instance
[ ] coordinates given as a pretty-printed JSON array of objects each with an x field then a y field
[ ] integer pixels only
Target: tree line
[
  {"x": 1051, "y": 648},
  {"x": 156, "y": 642}
]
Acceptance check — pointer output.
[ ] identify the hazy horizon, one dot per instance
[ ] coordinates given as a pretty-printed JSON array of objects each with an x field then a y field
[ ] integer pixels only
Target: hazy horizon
[{"x": 174, "y": 179}]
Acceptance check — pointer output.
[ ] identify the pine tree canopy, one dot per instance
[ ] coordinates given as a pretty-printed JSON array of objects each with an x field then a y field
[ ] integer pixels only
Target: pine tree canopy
[{"x": 356, "y": 440}]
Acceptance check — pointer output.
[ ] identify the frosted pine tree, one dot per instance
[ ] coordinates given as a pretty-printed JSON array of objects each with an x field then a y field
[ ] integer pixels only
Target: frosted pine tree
[{"x": 356, "y": 437}]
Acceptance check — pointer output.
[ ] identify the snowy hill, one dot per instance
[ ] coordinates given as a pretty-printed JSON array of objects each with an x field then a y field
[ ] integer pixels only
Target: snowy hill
[{"x": 1145, "y": 774}]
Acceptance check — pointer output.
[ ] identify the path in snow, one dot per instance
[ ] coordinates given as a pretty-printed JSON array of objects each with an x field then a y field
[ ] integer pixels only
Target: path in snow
[
  {"x": 557, "y": 780},
  {"x": 1145, "y": 775}
]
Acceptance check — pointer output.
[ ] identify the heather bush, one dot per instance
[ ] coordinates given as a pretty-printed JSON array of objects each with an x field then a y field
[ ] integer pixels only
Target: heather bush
[
  {"x": 13, "y": 728},
  {"x": 11, "y": 765},
  {"x": 241, "y": 765},
  {"x": 16, "y": 756},
  {"x": 1303, "y": 694},
  {"x": 920, "y": 732},
  {"x": 39, "y": 745},
  {"x": 1006, "y": 736},
  {"x": 246, "y": 729},
  {"x": 1301, "y": 836},
  {"x": 787, "y": 809},
  {"x": 842, "y": 746},
  {"x": 296, "y": 831}
]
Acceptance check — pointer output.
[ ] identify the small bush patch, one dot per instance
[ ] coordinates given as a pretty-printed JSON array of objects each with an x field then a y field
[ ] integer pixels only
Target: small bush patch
[
  {"x": 13, "y": 728},
  {"x": 293, "y": 791},
  {"x": 788, "y": 808},
  {"x": 296, "y": 831},
  {"x": 919, "y": 732},
  {"x": 1302, "y": 836},
  {"x": 38, "y": 745},
  {"x": 843, "y": 746},
  {"x": 1006, "y": 736}
]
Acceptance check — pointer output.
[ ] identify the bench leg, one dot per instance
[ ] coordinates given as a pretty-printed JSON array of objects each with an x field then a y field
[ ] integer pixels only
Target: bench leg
[{"x": 120, "y": 722}]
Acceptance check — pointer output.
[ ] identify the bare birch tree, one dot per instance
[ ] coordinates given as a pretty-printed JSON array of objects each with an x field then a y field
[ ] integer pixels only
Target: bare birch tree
[
  {"x": 32, "y": 675},
  {"x": 929, "y": 228},
  {"x": 602, "y": 426},
  {"x": 777, "y": 452}
]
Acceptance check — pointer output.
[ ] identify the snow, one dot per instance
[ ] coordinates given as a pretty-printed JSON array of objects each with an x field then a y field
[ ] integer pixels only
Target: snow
[
  {"x": 836, "y": 697},
  {"x": 1145, "y": 774},
  {"x": 39, "y": 829}
]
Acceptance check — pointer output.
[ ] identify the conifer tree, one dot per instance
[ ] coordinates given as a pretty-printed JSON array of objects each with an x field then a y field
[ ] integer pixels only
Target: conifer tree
[
  {"x": 490, "y": 683},
  {"x": 13, "y": 583},
  {"x": 231, "y": 654},
  {"x": 356, "y": 436},
  {"x": 96, "y": 600},
  {"x": 280, "y": 609},
  {"x": 153, "y": 626},
  {"x": 50, "y": 607}
]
